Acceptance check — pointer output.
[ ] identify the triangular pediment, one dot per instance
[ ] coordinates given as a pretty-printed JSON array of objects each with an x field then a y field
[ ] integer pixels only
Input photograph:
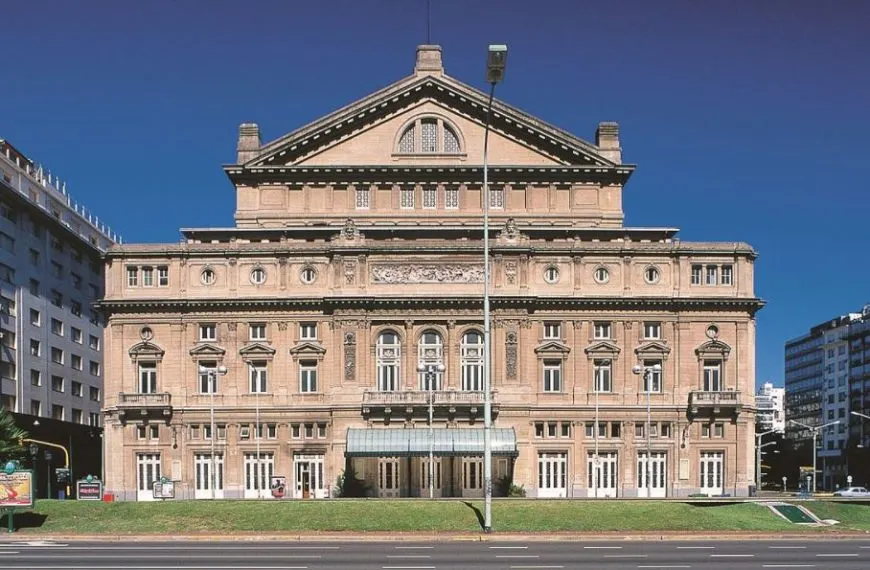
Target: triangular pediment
[
  {"x": 257, "y": 350},
  {"x": 366, "y": 132},
  {"x": 552, "y": 347},
  {"x": 713, "y": 348},
  {"x": 653, "y": 348},
  {"x": 146, "y": 351},
  {"x": 602, "y": 348},
  {"x": 207, "y": 350},
  {"x": 307, "y": 349}
]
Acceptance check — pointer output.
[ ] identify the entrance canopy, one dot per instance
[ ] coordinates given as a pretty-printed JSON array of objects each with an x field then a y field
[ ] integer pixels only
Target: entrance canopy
[{"x": 401, "y": 442}]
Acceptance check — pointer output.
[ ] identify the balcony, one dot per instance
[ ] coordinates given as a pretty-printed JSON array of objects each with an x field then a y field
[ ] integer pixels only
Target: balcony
[
  {"x": 136, "y": 407},
  {"x": 706, "y": 403},
  {"x": 414, "y": 404}
]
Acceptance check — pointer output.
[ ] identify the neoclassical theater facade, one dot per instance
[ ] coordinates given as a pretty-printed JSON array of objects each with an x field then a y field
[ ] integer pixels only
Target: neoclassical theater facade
[{"x": 266, "y": 359}]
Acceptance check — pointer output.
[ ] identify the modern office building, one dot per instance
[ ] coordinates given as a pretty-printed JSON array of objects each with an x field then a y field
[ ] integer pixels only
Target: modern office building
[
  {"x": 824, "y": 382},
  {"x": 289, "y": 347},
  {"x": 51, "y": 274},
  {"x": 770, "y": 404}
]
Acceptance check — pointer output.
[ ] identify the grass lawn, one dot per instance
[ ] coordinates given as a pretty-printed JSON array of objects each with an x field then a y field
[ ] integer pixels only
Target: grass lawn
[{"x": 193, "y": 517}]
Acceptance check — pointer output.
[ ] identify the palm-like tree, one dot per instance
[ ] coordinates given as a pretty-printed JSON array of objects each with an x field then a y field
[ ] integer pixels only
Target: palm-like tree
[{"x": 10, "y": 434}]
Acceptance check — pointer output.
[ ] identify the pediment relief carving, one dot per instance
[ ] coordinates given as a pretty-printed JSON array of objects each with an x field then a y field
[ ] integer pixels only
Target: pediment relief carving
[
  {"x": 203, "y": 351},
  {"x": 714, "y": 348},
  {"x": 307, "y": 350},
  {"x": 653, "y": 348},
  {"x": 146, "y": 350},
  {"x": 257, "y": 351},
  {"x": 552, "y": 349},
  {"x": 603, "y": 349}
]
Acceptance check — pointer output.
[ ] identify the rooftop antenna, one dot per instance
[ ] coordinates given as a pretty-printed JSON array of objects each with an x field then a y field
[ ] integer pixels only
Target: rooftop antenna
[{"x": 428, "y": 17}]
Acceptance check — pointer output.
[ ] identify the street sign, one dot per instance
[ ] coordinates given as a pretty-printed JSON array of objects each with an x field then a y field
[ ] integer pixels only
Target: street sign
[
  {"x": 62, "y": 475},
  {"x": 89, "y": 490},
  {"x": 16, "y": 489}
]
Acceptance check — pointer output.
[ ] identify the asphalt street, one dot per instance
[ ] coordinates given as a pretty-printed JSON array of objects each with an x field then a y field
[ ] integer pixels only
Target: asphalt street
[{"x": 471, "y": 555}]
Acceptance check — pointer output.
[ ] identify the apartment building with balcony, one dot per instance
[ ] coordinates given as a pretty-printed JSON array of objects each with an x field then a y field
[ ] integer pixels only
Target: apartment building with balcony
[
  {"x": 770, "y": 404},
  {"x": 286, "y": 348}
]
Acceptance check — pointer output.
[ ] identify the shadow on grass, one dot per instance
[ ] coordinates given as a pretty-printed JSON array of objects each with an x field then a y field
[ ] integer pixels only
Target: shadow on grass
[
  {"x": 23, "y": 520},
  {"x": 477, "y": 513}
]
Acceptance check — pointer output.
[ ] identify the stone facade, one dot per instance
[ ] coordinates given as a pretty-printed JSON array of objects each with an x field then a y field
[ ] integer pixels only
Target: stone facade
[{"x": 357, "y": 255}]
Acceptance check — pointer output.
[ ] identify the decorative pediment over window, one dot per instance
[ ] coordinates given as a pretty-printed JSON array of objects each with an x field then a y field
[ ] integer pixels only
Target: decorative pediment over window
[
  {"x": 256, "y": 351},
  {"x": 713, "y": 349},
  {"x": 207, "y": 351},
  {"x": 553, "y": 349},
  {"x": 653, "y": 349},
  {"x": 307, "y": 351},
  {"x": 146, "y": 351},
  {"x": 603, "y": 349}
]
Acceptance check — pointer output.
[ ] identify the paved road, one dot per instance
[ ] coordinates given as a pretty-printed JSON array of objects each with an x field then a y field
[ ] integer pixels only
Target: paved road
[{"x": 718, "y": 555}]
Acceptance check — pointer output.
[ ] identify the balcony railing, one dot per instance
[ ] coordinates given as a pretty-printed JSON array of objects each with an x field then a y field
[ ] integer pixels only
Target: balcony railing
[
  {"x": 416, "y": 402},
  {"x": 160, "y": 400},
  {"x": 714, "y": 401}
]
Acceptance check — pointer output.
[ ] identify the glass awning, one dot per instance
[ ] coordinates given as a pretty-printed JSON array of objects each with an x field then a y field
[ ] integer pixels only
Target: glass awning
[{"x": 414, "y": 442}]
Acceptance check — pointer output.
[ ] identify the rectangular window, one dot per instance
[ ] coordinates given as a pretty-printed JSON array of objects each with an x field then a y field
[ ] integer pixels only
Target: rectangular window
[
  {"x": 35, "y": 408},
  {"x": 272, "y": 431},
  {"x": 7, "y": 274},
  {"x": 35, "y": 347},
  {"x": 308, "y": 331},
  {"x": 601, "y": 374},
  {"x": 496, "y": 197},
  {"x": 308, "y": 376},
  {"x": 258, "y": 377},
  {"x": 77, "y": 416},
  {"x": 294, "y": 431},
  {"x": 362, "y": 198},
  {"x": 652, "y": 331},
  {"x": 56, "y": 412},
  {"x": 94, "y": 419},
  {"x": 208, "y": 332},
  {"x": 163, "y": 276},
  {"x": 35, "y": 318},
  {"x": 147, "y": 377},
  {"x": 696, "y": 274},
  {"x": 148, "y": 277},
  {"x": 718, "y": 430},
  {"x": 257, "y": 331},
  {"x": 132, "y": 276},
  {"x": 665, "y": 429},
  {"x": 566, "y": 429},
  {"x": 712, "y": 376},
  {"x": 94, "y": 394},
  {"x": 57, "y": 383},
  {"x": 76, "y": 389},
  {"x": 727, "y": 275},
  {"x": 76, "y": 280},
  {"x": 208, "y": 377},
  {"x": 601, "y": 331},
  {"x": 75, "y": 361},
  {"x": 321, "y": 431},
  {"x": 430, "y": 199},
  {"x": 94, "y": 368},
  {"x": 712, "y": 275},
  {"x": 56, "y": 269},
  {"x": 652, "y": 376},
  {"x": 309, "y": 431},
  {"x": 34, "y": 287},
  {"x": 451, "y": 198},
  {"x": 552, "y": 376},
  {"x": 56, "y": 298},
  {"x": 75, "y": 308},
  {"x": 552, "y": 331},
  {"x": 76, "y": 335},
  {"x": 35, "y": 378},
  {"x": 407, "y": 197},
  {"x": 34, "y": 257},
  {"x": 56, "y": 355},
  {"x": 539, "y": 429}
]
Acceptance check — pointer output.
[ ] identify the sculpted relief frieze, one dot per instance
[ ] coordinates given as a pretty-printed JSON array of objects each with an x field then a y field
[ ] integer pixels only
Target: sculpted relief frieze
[{"x": 427, "y": 273}]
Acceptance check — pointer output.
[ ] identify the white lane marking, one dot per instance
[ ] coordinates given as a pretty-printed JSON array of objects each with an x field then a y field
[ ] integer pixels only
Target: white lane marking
[
  {"x": 162, "y": 567},
  {"x": 147, "y": 556},
  {"x": 408, "y": 556},
  {"x": 408, "y": 567},
  {"x": 508, "y": 547},
  {"x": 836, "y": 555},
  {"x": 531, "y": 567},
  {"x": 9, "y": 552},
  {"x": 732, "y": 555},
  {"x": 414, "y": 547},
  {"x": 214, "y": 548},
  {"x": 602, "y": 547},
  {"x": 696, "y": 547},
  {"x": 675, "y": 566},
  {"x": 786, "y": 547},
  {"x": 517, "y": 556},
  {"x": 788, "y": 565},
  {"x": 624, "y": 556}
]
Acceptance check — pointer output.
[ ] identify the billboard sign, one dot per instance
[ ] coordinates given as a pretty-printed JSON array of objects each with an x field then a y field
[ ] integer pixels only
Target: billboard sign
[
  {"x": 164, "y": 489},
  {"x": 16, "y": 489},
  {"x": 89, "y": 490},
  {"x": 278, "y": 486}
]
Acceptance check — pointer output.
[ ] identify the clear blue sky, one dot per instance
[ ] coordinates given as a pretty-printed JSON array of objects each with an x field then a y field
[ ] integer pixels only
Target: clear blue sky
[{"x": 748, "y": 120}]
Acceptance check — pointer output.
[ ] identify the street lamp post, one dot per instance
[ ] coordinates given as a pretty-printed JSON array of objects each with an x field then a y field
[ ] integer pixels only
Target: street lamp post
[
  {"x": 211, "y": 374},
  {"x": 34, "y": 451},
  {"x": 430, "y": 371},
  {"x": 495, "y": 67},
  {"x": 647, "y": 387},
  {"x": 815, "y": 430},
  {"x": 758, "y": 448}
]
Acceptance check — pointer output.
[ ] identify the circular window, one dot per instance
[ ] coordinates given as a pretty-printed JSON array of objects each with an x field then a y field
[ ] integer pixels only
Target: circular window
[
  {"x": 145, "y": 333},
  {"x": 308, "y": 275},
  {"x": 651, "y": 274},
  {"x": 601, "y": 275},
  {"x": 712, "y": 331},
  {"x": 551, "y": 274},
  {"x": 258, "y": 276},
  {"x": 207, "y": 276}
]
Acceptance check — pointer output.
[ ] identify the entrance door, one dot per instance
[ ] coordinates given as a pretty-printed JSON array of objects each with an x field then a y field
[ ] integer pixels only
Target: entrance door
[
  {"x": 424, "y": 477},
  {"x": 472, "y": 477},
  {"x": 258, "y": 474},
  {"x": 388, "y": 478},
  {"x": 651, "y": 481},
  {"x": 202, "y": 465},
  {"x": 712, "y": 476},
  {"x": 147, "y": 472},
  {"x": 308, "y": 476},
  {"x": 552, "y": 474},
  {"x": 602, "y": 477}
]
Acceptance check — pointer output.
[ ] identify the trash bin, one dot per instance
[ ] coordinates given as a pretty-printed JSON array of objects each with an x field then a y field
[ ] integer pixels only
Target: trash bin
[
  {"x": 61, "y": 494},
  {"x": 753, "y": 491}
]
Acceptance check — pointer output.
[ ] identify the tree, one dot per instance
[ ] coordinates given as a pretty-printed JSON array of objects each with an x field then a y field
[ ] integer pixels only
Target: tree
[{"x": 10, "y": 437}]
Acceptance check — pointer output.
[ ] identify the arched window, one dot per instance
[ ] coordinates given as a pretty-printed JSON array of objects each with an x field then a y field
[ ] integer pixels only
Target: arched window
[
  {"x": 471, "y": 355},
  {"x": 389, "y": 354},
  {"x": 429, "y": 135},
  {"x": 430, "y": 354}
]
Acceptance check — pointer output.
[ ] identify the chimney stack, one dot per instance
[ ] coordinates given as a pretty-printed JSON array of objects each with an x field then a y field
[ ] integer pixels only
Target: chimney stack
[
  {"x": 428, "y": 60},
  {"x": 249, "y": 142},
  {"x": 607, "y": 139}
]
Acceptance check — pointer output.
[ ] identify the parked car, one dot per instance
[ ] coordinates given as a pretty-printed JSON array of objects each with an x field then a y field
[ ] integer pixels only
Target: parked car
[{"x": 852, "y": 492}]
